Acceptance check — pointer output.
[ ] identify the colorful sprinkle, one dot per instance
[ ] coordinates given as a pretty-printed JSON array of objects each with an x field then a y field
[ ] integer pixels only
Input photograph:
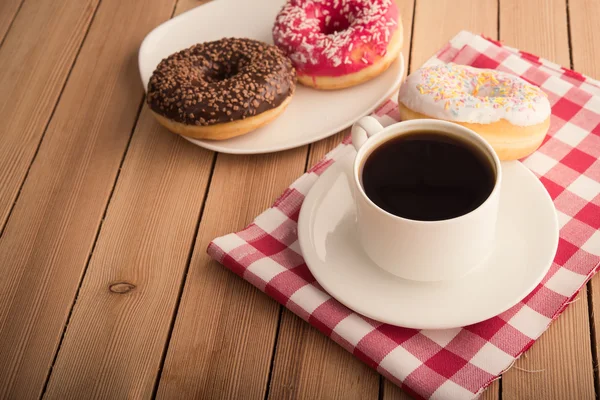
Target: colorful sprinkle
[
  {"x": 462, "y": 87},
  {"x": 466, "y": 94}
]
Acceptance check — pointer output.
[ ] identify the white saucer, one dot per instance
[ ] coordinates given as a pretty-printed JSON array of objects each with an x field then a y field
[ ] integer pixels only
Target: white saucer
[
  {"x": 527, "y": 239},
  {"x": 312, "y": 115}
]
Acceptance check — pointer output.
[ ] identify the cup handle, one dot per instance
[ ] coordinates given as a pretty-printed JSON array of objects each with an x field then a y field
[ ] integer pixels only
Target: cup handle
[{"x": 363, "y": 129}]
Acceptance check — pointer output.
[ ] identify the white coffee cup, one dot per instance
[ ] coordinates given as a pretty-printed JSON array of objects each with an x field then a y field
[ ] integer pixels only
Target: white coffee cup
[{"x": 423, "y": 250}]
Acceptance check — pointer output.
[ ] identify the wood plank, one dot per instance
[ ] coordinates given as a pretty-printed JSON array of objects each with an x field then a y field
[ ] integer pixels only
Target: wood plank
[
  {"x": 48, "y": 239},
  {"x": 584, "y": 16},
  {"x": 407, "y": 9},
  {"x": 127, "y": 299},
  {"x": 559, "y": 365},
  {"x": 562, "y": 355},
  {"x": 536, "y": 26},
  {"x": 393, "y": 392},
  {"x": 438, "y": 21},
  {"x": 448, "y": 17},
  {"x": 35, "y": 59},
  {"x": 225, "y": 329},
  {"x": 309, "y": 365},
  {"x": 8, "y": 10},
  {"x": 585, "y": 41},
  {"x": 319, "y": 149},
  {"x": 492, "y": 392}
]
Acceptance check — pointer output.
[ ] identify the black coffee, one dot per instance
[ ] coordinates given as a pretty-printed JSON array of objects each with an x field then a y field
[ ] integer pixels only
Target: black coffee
[{"x": 427, "y": 176}]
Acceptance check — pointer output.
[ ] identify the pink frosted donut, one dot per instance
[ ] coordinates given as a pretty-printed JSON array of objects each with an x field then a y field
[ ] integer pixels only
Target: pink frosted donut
[{"x": 338, "y": 43}]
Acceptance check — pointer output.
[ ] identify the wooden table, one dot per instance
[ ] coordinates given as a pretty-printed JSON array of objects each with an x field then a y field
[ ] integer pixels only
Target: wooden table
[{"x": 106, "y": 290}]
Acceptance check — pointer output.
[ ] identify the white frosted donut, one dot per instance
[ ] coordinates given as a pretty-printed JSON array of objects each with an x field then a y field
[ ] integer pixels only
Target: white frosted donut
[{"x": 511, "y": 114}]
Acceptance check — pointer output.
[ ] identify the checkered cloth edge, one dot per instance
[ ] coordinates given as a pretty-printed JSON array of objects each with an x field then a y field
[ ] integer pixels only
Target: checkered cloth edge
[{"x": 456, "y": 363}]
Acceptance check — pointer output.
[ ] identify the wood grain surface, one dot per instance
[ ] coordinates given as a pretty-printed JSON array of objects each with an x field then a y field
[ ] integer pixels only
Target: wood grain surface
[
  {"x": 308, "y": 364},
  {"x": 106, "y": 287},
  {"x": 225, "y": 329},
  {"x": 8, "y": 11},
  {"x": 584, "y": 16},
  {"x": 47, "y": 241},
  {"x": 536, "y": 26},
  {"x": 128, "y": 297},
  {"x": 555, "y": 367},
  {"x": 35, "y": 60},
  {"x": 437, "y": 21}
]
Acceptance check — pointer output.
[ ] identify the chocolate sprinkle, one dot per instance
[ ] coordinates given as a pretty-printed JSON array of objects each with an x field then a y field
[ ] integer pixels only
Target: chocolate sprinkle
[{"x": 221, "y": 81}]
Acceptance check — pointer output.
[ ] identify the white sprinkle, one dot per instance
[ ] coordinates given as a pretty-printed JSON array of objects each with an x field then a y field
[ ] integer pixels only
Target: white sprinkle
[{"x": 302, "y": 35}]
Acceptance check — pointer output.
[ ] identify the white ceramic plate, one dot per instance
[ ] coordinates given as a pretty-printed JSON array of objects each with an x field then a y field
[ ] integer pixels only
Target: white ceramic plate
[
  {"x": 527, "y": 239},
  {"x": 312, "y": 115}
]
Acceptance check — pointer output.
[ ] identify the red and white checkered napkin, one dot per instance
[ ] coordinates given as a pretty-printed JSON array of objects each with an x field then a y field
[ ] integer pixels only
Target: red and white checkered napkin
[{"x": 455, "y": 363}]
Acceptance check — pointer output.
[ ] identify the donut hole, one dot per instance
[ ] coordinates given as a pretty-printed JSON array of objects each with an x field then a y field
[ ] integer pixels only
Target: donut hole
[
  {"x": 335, "y": 25},
  {"x": 220, "y": 72},
  {"x": 485, "y": 85},
  {"x": 490, "y": 91}
]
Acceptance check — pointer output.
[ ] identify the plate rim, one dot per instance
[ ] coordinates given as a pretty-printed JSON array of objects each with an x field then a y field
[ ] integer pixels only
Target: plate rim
[
  {"x": 304, "y": 233},
  {"x": 208, "y": 145},
  {"x": 215, "y": 146}
]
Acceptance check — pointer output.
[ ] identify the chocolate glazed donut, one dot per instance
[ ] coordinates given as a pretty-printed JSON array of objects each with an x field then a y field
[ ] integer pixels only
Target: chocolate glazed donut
[{"x": 221, "y": 89}]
